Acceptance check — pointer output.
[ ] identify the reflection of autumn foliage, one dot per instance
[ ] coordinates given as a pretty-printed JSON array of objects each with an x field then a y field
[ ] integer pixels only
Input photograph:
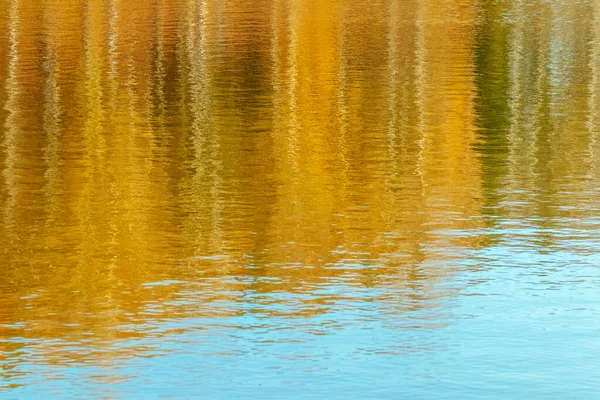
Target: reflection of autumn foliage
[{"x": 301, "y": 141}]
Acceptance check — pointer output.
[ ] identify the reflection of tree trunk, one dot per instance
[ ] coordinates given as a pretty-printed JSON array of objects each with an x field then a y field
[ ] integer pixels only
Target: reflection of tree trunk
[
  {"x": 306, "y": 64},
  {"x": 493, "y": 106},
  {"x": 204, "y": 198},
  {"x": 11, "y": 127},
  {"x": 24, "y": 168},
  {"x": 524, "y": 130},
  {"x": 51, "y": 124},
  {"x": 445, "y": 100},
  {"x": 594, "y": 95}
]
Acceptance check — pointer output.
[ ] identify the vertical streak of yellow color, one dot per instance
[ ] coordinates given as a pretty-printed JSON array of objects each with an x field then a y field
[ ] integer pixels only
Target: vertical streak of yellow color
[
  {"x": 292, "y": 133},
  {"x": 286, "y": 132},
  {"x": 97, "y": 221},
  {"x": 95, "y": 98},
  {"x": 276, "y": 65},
  {"x": 366, "y": 115},
  {"x": 285, "y": 121},
  {"x": 285, "y": 81},
  {"x": 111, "y": 105},
  {"x": 526, "y": 107},
  {"x": 447, "y": 117},
  {"x": 420, "y": 57},
  {"x": 561, "y": 73},
  {"x": 11, "y": 131},
  {"x": 594, "y": 94},
  {"x": 405, "y": 184},
  {"x": 160, "y": 101},
  {"x": 515, "y": 95},
  {"x": 572, "y": 99},
  {"x": 402, "y": 52},
  {"x": 304, "y": 141},
  {"x": 538, "y": 128},
  {"x": 159, "y": 73},
  {"x": 205, "y": 205},
  {"x": 133, "y": 142},
  {"x": 392, "y": 39},
  {"x": 4, "y": 112},
  {"x": 23, "y": 165},
  {"x": 522, "y": 138},
  {"x": 217, "y": 236},
  {"x": 342, "y": 114},
  {"x": 51, "y": 118},
  {"x": 115, "y": 196}
]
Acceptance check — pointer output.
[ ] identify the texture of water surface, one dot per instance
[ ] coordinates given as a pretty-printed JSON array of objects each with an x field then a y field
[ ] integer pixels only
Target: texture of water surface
[{"x": 244, "y": 199}]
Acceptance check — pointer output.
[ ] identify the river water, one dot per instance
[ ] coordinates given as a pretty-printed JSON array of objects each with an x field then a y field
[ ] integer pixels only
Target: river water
[{"x": 310, "y": 199}]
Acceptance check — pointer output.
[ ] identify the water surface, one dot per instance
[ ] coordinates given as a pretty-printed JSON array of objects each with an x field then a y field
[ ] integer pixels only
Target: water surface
[{"x": 299, "y": 199}]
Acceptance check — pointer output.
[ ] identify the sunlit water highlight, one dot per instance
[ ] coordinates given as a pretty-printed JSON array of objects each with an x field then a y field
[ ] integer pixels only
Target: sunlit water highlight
[{"x": 299, "y": 199}]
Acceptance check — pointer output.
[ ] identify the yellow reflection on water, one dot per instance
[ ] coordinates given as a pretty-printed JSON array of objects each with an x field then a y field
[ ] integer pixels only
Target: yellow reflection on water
[{"x": 276, "y": 147}]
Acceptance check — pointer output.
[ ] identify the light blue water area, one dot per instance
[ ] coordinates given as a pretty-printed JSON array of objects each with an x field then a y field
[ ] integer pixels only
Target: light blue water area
[{"x": 523, "y": 324}]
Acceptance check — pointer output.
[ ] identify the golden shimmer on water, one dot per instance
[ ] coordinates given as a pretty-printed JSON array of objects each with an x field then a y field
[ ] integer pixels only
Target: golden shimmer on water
[{"x": 291, "y": 143}]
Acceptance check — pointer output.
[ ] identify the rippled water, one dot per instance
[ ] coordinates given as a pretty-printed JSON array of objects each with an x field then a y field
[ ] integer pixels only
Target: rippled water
[{"x": 299, "y": 199}]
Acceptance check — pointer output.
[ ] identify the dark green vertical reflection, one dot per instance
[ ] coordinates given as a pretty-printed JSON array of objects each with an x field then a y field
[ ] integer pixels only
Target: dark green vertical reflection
[{"x": 492, "y": 107}]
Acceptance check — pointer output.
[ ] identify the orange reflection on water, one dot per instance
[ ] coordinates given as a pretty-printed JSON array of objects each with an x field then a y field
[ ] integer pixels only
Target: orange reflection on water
[{"x": 275, "y": 147}]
